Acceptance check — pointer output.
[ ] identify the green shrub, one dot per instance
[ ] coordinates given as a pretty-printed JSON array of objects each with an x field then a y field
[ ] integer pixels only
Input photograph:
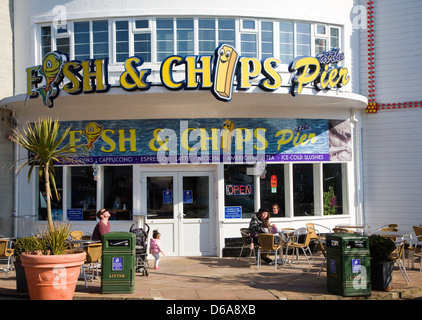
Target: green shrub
[
  {"x": 380, "y": 248},
  {"x": 26, "y": 244}
]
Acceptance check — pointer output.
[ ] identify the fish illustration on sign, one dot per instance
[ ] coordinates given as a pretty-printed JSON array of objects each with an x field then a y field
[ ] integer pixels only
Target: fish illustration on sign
[
  {"x": 51, "y": 71},
  {"x": 92, "y": 132}
]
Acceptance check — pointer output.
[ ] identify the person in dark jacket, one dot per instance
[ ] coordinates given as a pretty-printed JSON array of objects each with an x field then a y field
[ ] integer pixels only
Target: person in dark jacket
[{"x": 259, "y": 224}]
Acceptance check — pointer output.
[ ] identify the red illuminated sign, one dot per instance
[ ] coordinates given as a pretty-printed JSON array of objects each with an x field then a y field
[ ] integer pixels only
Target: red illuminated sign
[{"x": 236, "y": 190}]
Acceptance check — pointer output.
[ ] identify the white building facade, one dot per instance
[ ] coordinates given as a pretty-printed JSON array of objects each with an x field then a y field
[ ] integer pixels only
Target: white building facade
[
  {"x": 192, "y": 116},
  {"x": 390, "y": 58}
]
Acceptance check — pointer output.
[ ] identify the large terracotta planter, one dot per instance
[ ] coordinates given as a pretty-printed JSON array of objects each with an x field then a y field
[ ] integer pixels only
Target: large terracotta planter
[{"x": 52, "y": 277}]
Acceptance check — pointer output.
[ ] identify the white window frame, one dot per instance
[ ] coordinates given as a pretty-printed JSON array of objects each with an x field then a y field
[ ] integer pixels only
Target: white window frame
[{"x": 151, "y": 29}]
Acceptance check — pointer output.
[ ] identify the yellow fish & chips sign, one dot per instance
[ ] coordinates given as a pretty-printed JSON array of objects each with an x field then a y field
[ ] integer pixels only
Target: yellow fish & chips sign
[{"x": 216, "y": 73}]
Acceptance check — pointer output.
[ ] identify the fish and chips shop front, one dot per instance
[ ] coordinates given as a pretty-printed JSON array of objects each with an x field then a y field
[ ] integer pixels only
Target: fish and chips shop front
[{"x": 193, "y": 143}]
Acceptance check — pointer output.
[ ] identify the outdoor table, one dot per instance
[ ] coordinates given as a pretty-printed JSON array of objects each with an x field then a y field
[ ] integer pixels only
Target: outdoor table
[
  {"x": 397, "y": 234},
  {"x": 283, "y": 236},
  {"x": 82, "y": 243},
  {"x": 363, "y": 228}
]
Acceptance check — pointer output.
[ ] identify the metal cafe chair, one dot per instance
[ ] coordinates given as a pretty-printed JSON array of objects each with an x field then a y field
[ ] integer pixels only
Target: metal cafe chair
[
  {"x": 267, "y": 245},
  {"x": 6, "y": 253},
  {"x": 92, "y": 260},
  {"x": 396, "y": 256},
  {"x": 415, "y": 247},
  {"x": 246, "y": 242},
  {"x": 296, "y": 245}
]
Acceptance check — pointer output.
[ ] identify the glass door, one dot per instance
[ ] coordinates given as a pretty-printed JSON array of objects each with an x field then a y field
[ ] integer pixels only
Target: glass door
[
  {"x": 197, "y": 216},
  {"x": 180, "y": 206}
]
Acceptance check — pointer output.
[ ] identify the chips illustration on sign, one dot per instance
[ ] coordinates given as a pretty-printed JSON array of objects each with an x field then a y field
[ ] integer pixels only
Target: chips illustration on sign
[{"x": 226, "y": 61}]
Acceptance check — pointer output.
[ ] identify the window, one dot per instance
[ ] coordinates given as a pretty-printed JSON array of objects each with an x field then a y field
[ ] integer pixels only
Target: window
[
  {"x": 83, "y": 40},
  {"x": 165, "y": 38},
  {"x": 118, "y": 192},
  {"x": 303, "y": 39},
  {"x": 249, "y": 39},
  {"x": 239, "y": 189},
  {"x": 206, "y": 36},
  {"x": 272, "y": 189},
  {"x": 286, "y": 42},
  {"x": 248, "y": 45},
  {"x": 84, "y": 47},
  {"x": 63, "y": 45},
  {"x": 303, "y": 190},
  {"x": 82, "y": 193},
  {"x": 226, "y": 31},
  {"x": 56, "y": 203},
  {"x": 185, "y": 39},
  {"x": 142, "y": 40},
  {"x": 45, "y": 40},
  {"x": 333, "y": 188},
  {"x": 267, "y": 40},
  {"x": 160, "y": 197},
  {"x": 100, "y": 39},
  {"x": 320, "y": 45},
  {"x": 248, "y": 25},
  {"x": 334, "y": 38},
  {"x": 122, "y": 41},
  {"x": 320, "y": 38}
]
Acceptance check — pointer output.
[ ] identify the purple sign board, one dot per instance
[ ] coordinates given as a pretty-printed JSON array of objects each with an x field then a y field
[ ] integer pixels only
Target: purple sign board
[{"x": 170, "y": 141}]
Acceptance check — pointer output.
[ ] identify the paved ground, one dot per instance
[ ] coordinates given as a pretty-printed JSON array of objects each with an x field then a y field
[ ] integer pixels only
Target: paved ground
[{"x": 211, "y": 278}]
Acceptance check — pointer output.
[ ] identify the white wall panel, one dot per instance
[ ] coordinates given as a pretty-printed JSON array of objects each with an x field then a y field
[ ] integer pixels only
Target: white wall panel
[{"x": 392, "y": 153}]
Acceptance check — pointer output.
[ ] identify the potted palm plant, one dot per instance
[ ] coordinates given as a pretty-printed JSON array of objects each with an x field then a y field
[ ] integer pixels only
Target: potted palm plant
[
  {"x": 380, "y": 249},
  {"x": 53, "y": 273}
]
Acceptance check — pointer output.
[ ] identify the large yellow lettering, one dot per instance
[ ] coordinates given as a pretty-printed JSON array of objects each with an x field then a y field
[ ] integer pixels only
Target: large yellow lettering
[
  {"x": 307, "y": 70},
  {"x": 71, "y": 72},
  {"x": 73, "y": 139},
  {"x": 131, "y": 78},
  {"x": 32, "y": 80},
  {"x": 204, "y": 137},
  {"x": 240, "y": 139},
  {"x": 95, "y": 75},
  {"x": 166, "y": 73},
  {"x": 260, "y": 138},
  {"x": 157, "y": 138},
  {"x": 108, "y": 140},
  {"x": 273, "y": 78},
  {"x": 184, "y": 139},
  {"x": 286, "y": 137},
  {"x": 131, "y": 139},
  {"x": 192, "y": 71},
  {"x": 342, "y": 74},
  {"x": 250, "y": 69}
]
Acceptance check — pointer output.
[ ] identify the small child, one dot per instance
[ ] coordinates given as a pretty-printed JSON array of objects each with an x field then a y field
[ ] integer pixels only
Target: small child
[{"x": 155, "y": 247}]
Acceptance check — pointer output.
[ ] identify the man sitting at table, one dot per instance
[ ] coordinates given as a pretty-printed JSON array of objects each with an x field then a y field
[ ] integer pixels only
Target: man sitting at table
[{"x": 103, "y": 226}]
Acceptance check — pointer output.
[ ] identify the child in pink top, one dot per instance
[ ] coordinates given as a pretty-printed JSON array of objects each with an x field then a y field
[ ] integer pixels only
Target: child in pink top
[{"x": 155, "y": 247}]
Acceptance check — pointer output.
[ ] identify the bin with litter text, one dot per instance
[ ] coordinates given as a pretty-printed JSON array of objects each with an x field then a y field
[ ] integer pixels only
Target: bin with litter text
[
  {"x": 348, "y": 264},
  {"x": 118, "y": 262}
]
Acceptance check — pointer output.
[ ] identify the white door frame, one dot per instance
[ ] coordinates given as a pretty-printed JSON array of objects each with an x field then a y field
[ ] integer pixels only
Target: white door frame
[{"x": 173, "y": 230}]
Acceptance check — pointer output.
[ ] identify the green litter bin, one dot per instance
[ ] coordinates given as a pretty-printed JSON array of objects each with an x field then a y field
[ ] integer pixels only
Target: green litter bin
[
  {"x": 348, "y": 264},
  {"x": 118, "y": 262}
]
